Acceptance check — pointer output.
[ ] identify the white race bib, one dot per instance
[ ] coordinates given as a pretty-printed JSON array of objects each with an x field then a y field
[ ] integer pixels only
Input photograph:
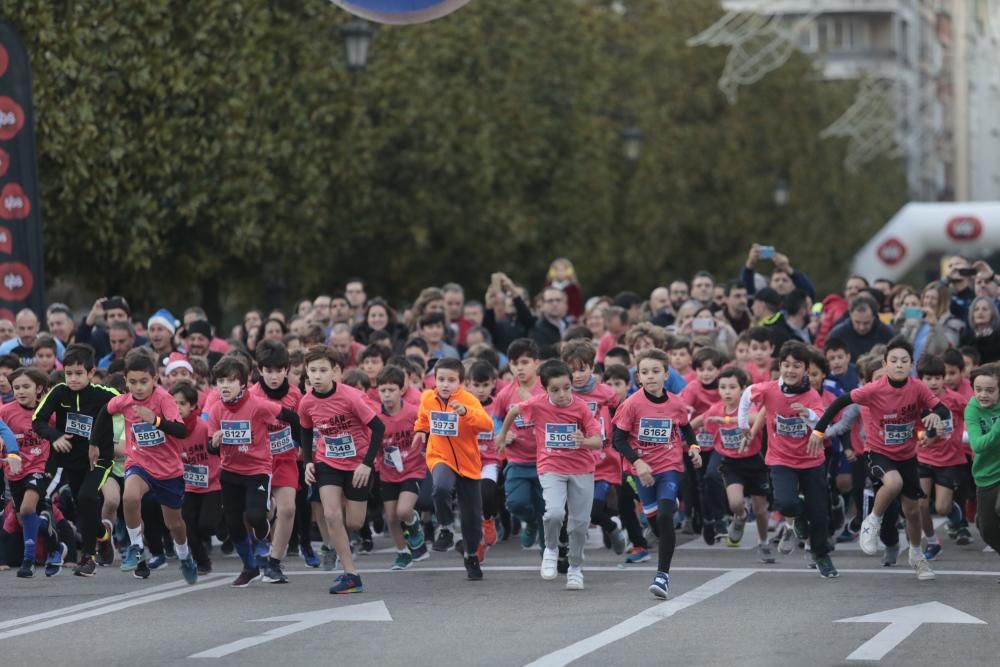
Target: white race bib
[
  {"x": 77, "y": 424},
  {"x": 196, "y": 476},
  {"x": 791, "y": 427},
  {"x": 560, "y": 436},
  {"x": 897, "y": 434},
  {"x": 281, "y": 441},
  {"x": 236, "y": 432},
  {"x": 732, "y": 438},
  {"x": 655, "y": 431},
  {"x": 147, "y": 435},
  {"x": 340, "y": 446},
  {"x": 444, "y": 423}
]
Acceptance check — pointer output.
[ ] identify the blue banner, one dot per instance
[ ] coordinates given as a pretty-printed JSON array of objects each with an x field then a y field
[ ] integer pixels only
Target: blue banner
[{"x": 401, "y": 11}]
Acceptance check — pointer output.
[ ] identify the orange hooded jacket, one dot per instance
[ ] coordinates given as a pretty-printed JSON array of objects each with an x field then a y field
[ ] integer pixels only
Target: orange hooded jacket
[{"x": 453, "y": 440}]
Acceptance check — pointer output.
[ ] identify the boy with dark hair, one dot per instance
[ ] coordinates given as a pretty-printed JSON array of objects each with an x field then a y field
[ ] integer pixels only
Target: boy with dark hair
[
  {"x": 202, "y": 508},
  {"x": 761, "y": 351},
  {"x": 432, "y": 328},
  {"x": 481, "y": 381},
  {"x": 8, "y": 364},
  {"x": 842, "y": 368},
  {"x": 619, "y": 379},
  {"x": 955, "y": 374},
  {"x": 679, "y": 350},
  {"x": 704, "y": 491},
  {"x": 617, "y": 356},
  {"x": 74, "y": 460}
]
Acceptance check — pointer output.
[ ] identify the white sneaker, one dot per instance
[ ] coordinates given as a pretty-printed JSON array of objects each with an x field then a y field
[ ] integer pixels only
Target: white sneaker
[
  {"x": 922, "y": 568},
  {"x": 550, "y": 558},
  {"x": 574, "y": 579},
  {"x": 868, "y": 538},
  {"x": 786, "y": 544}
]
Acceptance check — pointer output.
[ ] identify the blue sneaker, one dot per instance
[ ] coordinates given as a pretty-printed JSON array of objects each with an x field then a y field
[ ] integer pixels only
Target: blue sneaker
[
  {"x": 528, "y": 534},
  {"x": 131, "y": 558},
  {"x": 932, "y": 551},
  {"x": 309, "y": 556},
  {"x": 54, "y": 563},
  {"x": 189, "y": 570},
  {"x": 156, "y": 562},
  {"x": 347, "y": 583},
  {"x": 414, "y": 535},
  {"x": 637, "y": 555},
  {"x": 660, "y": 587}
]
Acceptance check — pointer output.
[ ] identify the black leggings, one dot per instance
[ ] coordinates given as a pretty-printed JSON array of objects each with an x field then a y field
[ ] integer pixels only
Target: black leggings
[
  {"x": 470, "y": 503},
  {"x": 85, "y": 485},
  {"x": 626, "y": 511},
  {"x": 491, "y": 501},
  {"x": 668, "y": 539},
  {"x": 201, "y": 512},
  {"x": 245, "y": 498}
]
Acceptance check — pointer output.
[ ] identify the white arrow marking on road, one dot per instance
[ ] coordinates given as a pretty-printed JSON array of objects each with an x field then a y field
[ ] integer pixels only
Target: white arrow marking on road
[
  {"x": 902, "y": 623},
  {"x": 369, "y": 611}
]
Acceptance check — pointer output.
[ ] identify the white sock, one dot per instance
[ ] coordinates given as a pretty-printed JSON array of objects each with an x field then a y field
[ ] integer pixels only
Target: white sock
[
  {"x": 876, "y": 518},
  {"x": 915, "y": 552},
  {"x": 182, "y": 550},
  {"x": 932, "y": 539},
  {"x": 135, "y": 536}
]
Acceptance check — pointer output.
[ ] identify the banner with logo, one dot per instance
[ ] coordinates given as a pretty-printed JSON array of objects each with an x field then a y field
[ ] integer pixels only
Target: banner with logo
[
  {"x": 401, "y": 11},
  {"x": 22, "y": 276}
]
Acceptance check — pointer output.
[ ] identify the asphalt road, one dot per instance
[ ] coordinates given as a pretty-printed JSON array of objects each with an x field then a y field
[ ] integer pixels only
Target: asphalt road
[{"x": 725, "y": 608}]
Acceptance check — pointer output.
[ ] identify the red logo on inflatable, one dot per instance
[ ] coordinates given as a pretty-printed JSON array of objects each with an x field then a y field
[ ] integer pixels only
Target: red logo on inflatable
[
  {"x": 964, "y": 228},
  {"x": 16, "y": 281},
  {"x": 6, "y": 240},
  {"x": 891, "y": 252},
  {"x": 11, "y": 118},
  {"x": 4, "y": 60},
  {"x": 4, "y": 162},
  {"x": 14, "y": 204}
]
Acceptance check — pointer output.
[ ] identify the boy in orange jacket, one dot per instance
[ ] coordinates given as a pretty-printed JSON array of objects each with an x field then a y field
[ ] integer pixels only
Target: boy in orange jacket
[{"x": 450, "y": 421}]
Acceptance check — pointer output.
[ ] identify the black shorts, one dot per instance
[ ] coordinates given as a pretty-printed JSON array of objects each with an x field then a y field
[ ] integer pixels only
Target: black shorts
[
  {"x": 329, "y": 476},
  {"x": 750, "y": 472},
  {"x": 908, "y": 469},
  {"x": 392, "y": 490},
  {"x": 36, "y": 481},
  {"x": 950, "y": 477}
]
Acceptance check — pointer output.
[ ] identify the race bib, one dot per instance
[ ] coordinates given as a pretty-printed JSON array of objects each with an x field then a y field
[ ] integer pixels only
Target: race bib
[
  {"x": 235, "y": 432},
  {"x": 593, "y": 407},
  {"x": 340, "y": 446},
  {"x": 560, "y": 436},
  {"x": 281, "y": 441},
  {"x": 948, "y": 426},
  {"x": 77, "y": 424},
  {"x": 520, "y": 423},
  {"x": 196, "y": 476},
  {"x": 393, "y": 458},
  {"x": 655, "y": 431},
  {"x": 147, "y": 435},
  {"x": 444, "y": 423},
  {"x": 732, "y": 438},
  {"x": 897, "y": 434},
  {"x": 791, "y": 427},
  {"x": 705, "y": 439}
]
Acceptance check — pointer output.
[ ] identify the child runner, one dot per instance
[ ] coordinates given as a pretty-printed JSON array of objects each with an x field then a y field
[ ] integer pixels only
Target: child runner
[
  {"x": 273, "y": 362},
  {"x": 401, "y": 469},
  {"x": 481, "y": 382},
  {"x": 449, "y": 422},
  {"x": 153, "y": 464},
  {"x": 565, "y": 429},
  {"x": 891, "y": 408},
  {"x": 705, "y": 488},
  {"x": 202, "y": 508},
  {"x": 648, "y": 430},
  {"x": 982, "y": 418},
  {"x": 349, "y": 435},
  {"x": 761, "y": 353},
  {"x": 798, "y": 465}
]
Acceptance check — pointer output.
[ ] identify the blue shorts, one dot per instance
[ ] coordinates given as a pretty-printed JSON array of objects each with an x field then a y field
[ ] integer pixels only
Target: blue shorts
[
  {"x": 665, "y": 487},
  {"x": 166, "y": 492},
  {"x": 601, "y": 490}
]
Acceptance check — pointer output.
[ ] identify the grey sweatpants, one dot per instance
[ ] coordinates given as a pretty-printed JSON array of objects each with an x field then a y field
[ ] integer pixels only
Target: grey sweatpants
[{"x": 575, "y": 492}]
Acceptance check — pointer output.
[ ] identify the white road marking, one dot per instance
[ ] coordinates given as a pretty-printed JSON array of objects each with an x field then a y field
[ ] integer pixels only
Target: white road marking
[
  {"x": 369, "y": 611},
  {"x": 902, "y": 623},
  {"x": 641, "y": 620},
  {"x": 116, "y": 606}
]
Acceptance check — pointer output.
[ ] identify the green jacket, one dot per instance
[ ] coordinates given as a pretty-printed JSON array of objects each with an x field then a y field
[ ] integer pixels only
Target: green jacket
[{"x": 983, "y": 425}]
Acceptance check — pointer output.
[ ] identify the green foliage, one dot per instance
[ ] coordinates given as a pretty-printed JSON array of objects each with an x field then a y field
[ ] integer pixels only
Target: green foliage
[{"x": 194, "y": 149}]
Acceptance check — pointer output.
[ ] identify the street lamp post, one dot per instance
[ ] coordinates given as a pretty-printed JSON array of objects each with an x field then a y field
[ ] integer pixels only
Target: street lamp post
[{"x": 357, "y": 35}]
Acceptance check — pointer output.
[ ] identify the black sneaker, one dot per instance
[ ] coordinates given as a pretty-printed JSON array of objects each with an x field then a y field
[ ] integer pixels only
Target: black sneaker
[
  {"x": 367, "y": 546},
  {"x": 27, "y": 570},
  {"x": 168, "y": 550},
  {"x": 205, "y": 568},
  {"x": 227, "y": 547},
  {"x": 444, "y": 540},
  {"x": 826, "y": 569},
  {"x": 245, "y": 577},
  {"x": 141, "y": 570},
  {"x": 963, "y": 537},
  {"x": 708, "y": 532},
  {"x": 472, "y": 569},
  {"x": 86, "y": 567},
  {"x": 562, "y": 564},
  {"x": 105, "y": 552},
  {"x": 273, "y": 574}
]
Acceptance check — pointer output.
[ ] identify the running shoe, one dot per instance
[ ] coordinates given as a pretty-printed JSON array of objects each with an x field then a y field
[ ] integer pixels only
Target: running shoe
[
  {"x": 156, "y": 562},
  {"x": 735, "y": 534},
  {"x": 868, "y": 539},
  {"x": 404, "y": 561},
  {"x": 826, "y": 569},
  {"x": 54, "y": 563},
  {"x": 472, "y": 570},
  {"x": 922, "y": 568},
  {"x": 528, "y": 534},
  {"x": 660, "y": 587},
  {"x": 801, "y": 527},
  {"x": 562, "y": 564},
  {"x": 168, "y": 550},
  {"x": 189, "y": 570},
  {"x": 890, "y": 556},
  {"x": 131, "y": 558},
  {"x": 788, "y": 541},
  {"x": 227, "y": 547},
  {"x": 366, "y": 547},
  {"x": 86, "y": 567},
  {"x": 141, "y": 570},
  {"x": 205, "y": 568},
  {"x": 618, "y": 541},
  {"x": 105, "y": 545},
  {"x": 245, "y": 578},
  {"x": 765, "y": 552},
  {"x": 489, "y": 532},
  {"x": 444, "y": 541},
  {"x": 309, "y": 555},
  {"x": 963, "y": 537},
  {"x": 414, "y": 534},
  {"x": 574, "y": 579},
  {"x": 273, "y": 574},
  {"x": 329, "y": 558},
  {"x": 550, "y": 560},
  {"x": 932, "y": 551},
  {"x": 846, "y": 535},
  {"x": 347, "y": 583},
  {"x": 27, "y": 570},
  {"x": 420, "y": 554},
  {"x": 637, "y": 555},
  {"x": 708, "y": 532}
]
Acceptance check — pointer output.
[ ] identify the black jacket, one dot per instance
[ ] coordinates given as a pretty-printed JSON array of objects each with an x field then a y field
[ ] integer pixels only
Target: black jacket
[{"x": 80, "y": 409}]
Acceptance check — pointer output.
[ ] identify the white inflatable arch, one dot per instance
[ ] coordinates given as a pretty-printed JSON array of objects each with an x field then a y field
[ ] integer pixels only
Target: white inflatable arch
[
  {"x": 401, "y": 12},
  {"x": 965, "y": 228}
]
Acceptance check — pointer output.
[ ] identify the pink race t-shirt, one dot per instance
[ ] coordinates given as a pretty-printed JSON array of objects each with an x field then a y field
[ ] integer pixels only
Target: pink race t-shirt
[
  {"x": 892, "y": 416},
  {"x": 201, "y": 467},
  {"x": 945, "y": 451},
  {"x": 522, "y": 449},
  {"x": 488, "y": 453},
  {"x": 788, "y": 431},
  {"x": 279, "y": 433},
  {"x": 246, "y": 445},
  {"x": 146, "y": 446},
  {"x": 601, "y": 400},
  {"x": 554, "y": 429},
  {"x": 655, "y": 429},
  {"x": 728, "y": 438},
  {"x": 33, "y": 448},
  {"x": 340, "y": 426},
  {"x": 399, "y": 435}
]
